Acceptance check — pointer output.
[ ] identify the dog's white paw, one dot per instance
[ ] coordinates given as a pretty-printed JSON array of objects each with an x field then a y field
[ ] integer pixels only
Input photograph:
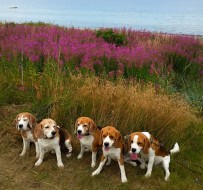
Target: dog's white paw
[
  {"x": 79, "y": 156},
  {"x": 93, "y": 164},
  {"x": 39, "y": 162},
  {"x": 60, "y": 165},
  {"x": 124, "y": 180},
  {"x": 142, "y": 166},
  {"x": 22, "y": 154},
  {"x": 68, "y": 155},
  {"x": 148, "y": 174},
  {"x": 96, "y": 172}
]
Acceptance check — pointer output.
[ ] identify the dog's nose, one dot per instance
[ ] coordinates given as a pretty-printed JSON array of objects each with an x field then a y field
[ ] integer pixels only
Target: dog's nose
[
  {"x": 106, "y": 144},
  {"x": 53, "y": 133},
  {"x": 79, "y": 131},
  {"x": 20, "y": 126},
  {"x": 133, "y": 149}
]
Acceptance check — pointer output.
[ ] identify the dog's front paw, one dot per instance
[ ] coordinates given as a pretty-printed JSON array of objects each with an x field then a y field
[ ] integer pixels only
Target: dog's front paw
[
  {"x": 93, "y": 164},
  {"x": 60, "y": 165},
  {"x": 124, "y": 180},
  {"x": 22, "y": 154},
  {"x": 38, "y": 162},
  {"x": 96, "y": 172},
  {"x": 79, "y": 156},
  {"x": 142, "y": 166},
  {"x": 68, "y": 155},
  {"x": 148, "y": 174}
]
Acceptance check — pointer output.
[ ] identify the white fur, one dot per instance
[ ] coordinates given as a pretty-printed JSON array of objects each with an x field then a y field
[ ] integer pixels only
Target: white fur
[
  {"x": 69, "y": 147},
  {"x": 113, "y": 153},
  {"x": 22, "y": 125},
  {"x": 151, "y": 158},
  {"x": 49, "y": 145},
  {"x": 86, "y": 143}
]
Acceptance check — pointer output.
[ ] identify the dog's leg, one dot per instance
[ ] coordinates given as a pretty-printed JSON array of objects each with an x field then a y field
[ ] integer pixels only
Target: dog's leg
[
  {"x": 37, "y": 149},
  {"x": 41, "y": 155},
  {"x": 142, "y": 162},
  {"x": 94, "y": 157},
  {"x": 98, "y": 170},
  {"x": 26, "y": 145},
  {"x": 108, "y": 160},
  {"x": 150, "y": 166},
  {"x": 122, "y": 169},
  {"x": 69, "y": 147},
  {"x": 82, "y": 150},
  {"x": 58, "y": 156},
  {"x": 166, "y": 162}
]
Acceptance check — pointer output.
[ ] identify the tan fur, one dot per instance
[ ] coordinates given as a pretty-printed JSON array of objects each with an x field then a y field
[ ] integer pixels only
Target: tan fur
[
  {"x": 93, "y": 130},
  {"x": 146, "y": 144}
]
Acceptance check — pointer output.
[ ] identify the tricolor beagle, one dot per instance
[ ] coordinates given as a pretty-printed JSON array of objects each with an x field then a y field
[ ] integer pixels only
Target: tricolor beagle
[
  {"x": 26, "y": 123},
  {"x": 112, "y": 146},
  {"x": 150, "y": 151},
  {"x": 50, "y": 136},
  {"x": 89, "y": 137}
]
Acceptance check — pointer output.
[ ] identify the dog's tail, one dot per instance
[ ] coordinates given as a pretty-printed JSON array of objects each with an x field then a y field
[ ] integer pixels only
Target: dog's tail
[{"x": 175, "y": 149}]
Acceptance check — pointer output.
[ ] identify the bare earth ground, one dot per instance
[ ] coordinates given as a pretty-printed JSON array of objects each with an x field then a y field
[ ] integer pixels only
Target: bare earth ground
[{"x": 20, "y": 173}]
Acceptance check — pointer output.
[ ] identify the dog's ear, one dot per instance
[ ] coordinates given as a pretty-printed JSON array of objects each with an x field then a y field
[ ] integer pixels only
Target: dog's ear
[
  {"x": 128, "y": 139},
  {"x": 92, "y": 127},
  {"x": 76, "y": 125},
  {"x": 38, "y": 131},
  {"x": 118, "y": 141},
  {"x": 15, "y": 121},
  {"x": 100, "y": 138},
  {"x": 32, "y": 120},
  {"x": 146, "y": 145}
]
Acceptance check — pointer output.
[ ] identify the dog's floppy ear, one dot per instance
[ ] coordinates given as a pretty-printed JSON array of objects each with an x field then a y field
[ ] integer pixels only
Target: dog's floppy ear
[
  {"x": 38, "y": 131},
  {"x": 146, "y": 145},
  {"x": 93, "y": 126},
  {"x": 76, "y": 124},
  {"x": 100, "y": 138},
  {"x": 15, "y": 121},
  {"x": 118, "y": 142},
  {"x": 32, "y": 120}
]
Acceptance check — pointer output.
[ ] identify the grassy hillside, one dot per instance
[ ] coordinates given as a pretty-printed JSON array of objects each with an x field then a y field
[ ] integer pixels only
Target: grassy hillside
[{"x": 134, "y": 80}]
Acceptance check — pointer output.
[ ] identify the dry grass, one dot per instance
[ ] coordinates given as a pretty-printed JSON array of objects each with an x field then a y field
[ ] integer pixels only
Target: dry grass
[
  {"x": 21, "y": 174},
  {"x": 126, "y": 105}
]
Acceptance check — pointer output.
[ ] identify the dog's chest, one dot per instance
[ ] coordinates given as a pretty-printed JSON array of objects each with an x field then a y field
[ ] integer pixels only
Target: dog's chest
[
  {"x": 29, "y": 136},
  {"x": 87, "y": 141},
  {"x": 49, "y": 144},
  {"x": 114, "y": 153}
]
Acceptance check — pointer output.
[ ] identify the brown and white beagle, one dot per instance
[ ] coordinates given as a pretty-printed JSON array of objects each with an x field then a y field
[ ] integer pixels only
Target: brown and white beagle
[
  {"x": 50, "y": 137},
  {"x": 151, "y": 151},
  {"x": 26, "y": 123},
  {"x": 112, "y": 146},
  {"x": 89, "y": 136}
]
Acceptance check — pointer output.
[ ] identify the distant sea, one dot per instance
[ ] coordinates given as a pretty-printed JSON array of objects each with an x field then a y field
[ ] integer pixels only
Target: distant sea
[{"x": 170, "y": 16}]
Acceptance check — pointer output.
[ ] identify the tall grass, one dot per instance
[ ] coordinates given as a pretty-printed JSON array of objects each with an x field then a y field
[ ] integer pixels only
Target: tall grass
[{"x": 128, "y": 105}]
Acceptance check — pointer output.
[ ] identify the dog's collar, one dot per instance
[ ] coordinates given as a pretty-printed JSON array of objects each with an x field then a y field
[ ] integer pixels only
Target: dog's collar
[{"x": 86, "y": 134}]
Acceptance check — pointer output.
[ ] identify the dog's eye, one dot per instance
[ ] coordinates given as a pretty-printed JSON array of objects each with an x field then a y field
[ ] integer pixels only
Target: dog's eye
[
  {"x": 139, "y": 143},
  {"x": 85, "y": 125},
  {"x": 78, "y": 124},
  {"x": 47, "y": 127},
  {"x": 111, "y": 137},
  {"x": 131, "y": 142},
  {"x": 24, "y": 119},
  {"x": 104, "y": 136}
]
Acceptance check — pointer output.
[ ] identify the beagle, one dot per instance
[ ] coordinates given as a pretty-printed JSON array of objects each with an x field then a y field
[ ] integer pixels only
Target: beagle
[
  {"x": 50, "y": 137},
  {"x": 26, "y": 123},
  {"x": 89, "y": 136},
  {"x": 112, "y": 145},
  {"x": 150, "y": 150}
]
